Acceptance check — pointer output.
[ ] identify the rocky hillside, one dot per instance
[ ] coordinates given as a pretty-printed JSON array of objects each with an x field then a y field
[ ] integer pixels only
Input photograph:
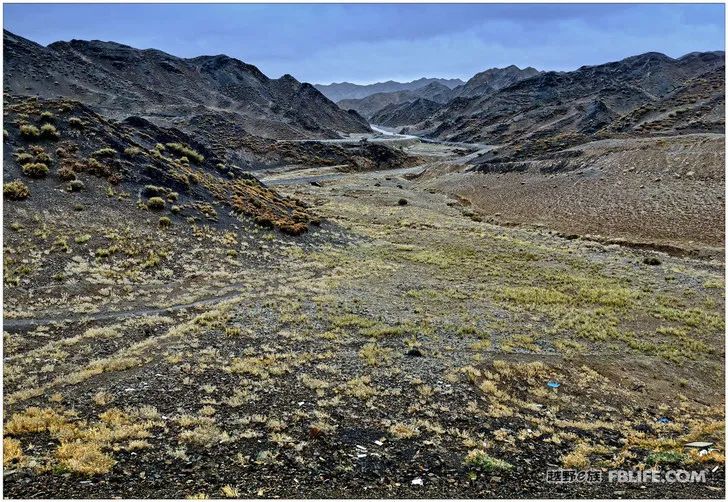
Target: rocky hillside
[
  {"x": 370, "y": 105},
  {"x": 345, "y": 90},
  {"x": 588, "y": 101},
  {"x": 118, "y": 81},
  {"x": 410, "y": 111},
  {"x": 62, "y": 157},
  {"x": 492, "y": 80}
]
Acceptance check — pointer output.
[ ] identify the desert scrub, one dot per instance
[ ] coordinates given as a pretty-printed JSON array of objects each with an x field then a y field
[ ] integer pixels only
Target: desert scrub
[
  {"x": 15, "y": 190},
  {"x": 186, "y": 151},
  {"x": 35, "y": 170},
  {"x": 480, "y": 459},
  {"x": 23, "y": 158},
  {"x": 156, "y": 203},
  {"x": 49, "y": 131},
  {"x": 47, "y": 116},
  {"x": 84, "y": 458},
  {"x": 29, "y": 131},
  {"x": 132, "y": 151},
  {"x": 104, "y": 153},
  {"x": 65, "y": 173},
  {"x": 76, "y": 186},
  {"x": 12, "y": 451},
  {"x": 165, "y": 222},
  {"x": 75, "y": 122}
]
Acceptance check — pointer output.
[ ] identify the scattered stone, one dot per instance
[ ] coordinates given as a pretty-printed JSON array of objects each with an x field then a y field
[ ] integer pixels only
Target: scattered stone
[
  {"x": 415, "y": 352},
  {"x": 418, "y": 481}
]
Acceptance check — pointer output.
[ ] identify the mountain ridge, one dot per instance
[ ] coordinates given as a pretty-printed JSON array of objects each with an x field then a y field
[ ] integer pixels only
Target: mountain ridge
[
  {"x": 337, "y": 91},
  {"x": 122, "y": 81}
]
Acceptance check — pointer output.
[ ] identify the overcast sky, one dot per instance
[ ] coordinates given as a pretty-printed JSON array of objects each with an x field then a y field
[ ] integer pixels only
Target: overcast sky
[{"x": 367, "y": 43}]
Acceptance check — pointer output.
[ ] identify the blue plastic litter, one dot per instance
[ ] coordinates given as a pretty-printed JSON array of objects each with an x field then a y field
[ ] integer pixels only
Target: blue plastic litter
[
  {"x": 663, "y": 420},
  {"x": 553, "y": 384}
]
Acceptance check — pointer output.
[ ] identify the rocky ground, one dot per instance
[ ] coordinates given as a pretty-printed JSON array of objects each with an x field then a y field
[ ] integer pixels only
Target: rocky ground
[
  {"x": 661, "y": 193},
  {"x": 402, "y": 348}
]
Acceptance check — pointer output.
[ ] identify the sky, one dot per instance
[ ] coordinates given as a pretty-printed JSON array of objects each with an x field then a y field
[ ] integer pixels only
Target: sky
[{"x": 364, "y": 43}]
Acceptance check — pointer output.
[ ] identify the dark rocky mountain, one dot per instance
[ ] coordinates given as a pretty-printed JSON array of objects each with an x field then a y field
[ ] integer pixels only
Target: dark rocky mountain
[
  {"x": 370, "y": 105},
  {"x": 410, "y": 112},
  {"x": 481, "y": 84},
  {"x": 586, "y": 101},
  {"x": 492, "y": 80},
  {"x": 120, "y": 81},
  {"x": 345, "y": 90}
]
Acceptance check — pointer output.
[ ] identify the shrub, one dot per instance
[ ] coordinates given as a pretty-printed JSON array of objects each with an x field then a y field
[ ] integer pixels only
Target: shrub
[
  {"x": 76, "y": 123},
  {"x": 156, "y": 203},
  {"x": 24, "y": 158},
  {"x": 65, "y": 173},
  {"x": 104, "y": 152},
  {"x": 172, "y": 196},
  {"x": 165, "y": 222},
  {"x": 16, "y": 190},
  {"x": 35, "y": 170},
  {"x": 29, "y": 131},
  {"x": 49, "y": 131},
  {"x": 47, "y": 117},
  {"x": 186, "y": 151},
  {"x": 402, "y": 202},
  {"x": 479, "y": 458},
  {"x": 43, "y": 158},
  {"x": 175, "y": 209},
  {"x": 132, "y": 151},
  {"x": 152, "y": 190},
  {"x": 76, "y": 186}
]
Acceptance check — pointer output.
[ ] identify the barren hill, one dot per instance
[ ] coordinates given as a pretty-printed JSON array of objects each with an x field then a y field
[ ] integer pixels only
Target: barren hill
[
  {"x": 583, "y": 101},
  {"x": 119, "y": 81},
  {"x": 345, "y": 90}
]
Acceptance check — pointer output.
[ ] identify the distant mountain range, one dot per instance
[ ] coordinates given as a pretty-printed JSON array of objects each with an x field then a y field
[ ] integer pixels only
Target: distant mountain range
[
  {"x": 345, "y": 90},
  {"x": 120, "y": 81},
  {"x": 645, "y": 93},
  {"x": 481, "y": 84},
  {"x": 640, "y": 95}
]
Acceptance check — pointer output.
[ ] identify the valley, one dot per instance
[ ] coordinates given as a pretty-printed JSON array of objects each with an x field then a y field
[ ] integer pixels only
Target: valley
[{"x": 238, "y": 289}]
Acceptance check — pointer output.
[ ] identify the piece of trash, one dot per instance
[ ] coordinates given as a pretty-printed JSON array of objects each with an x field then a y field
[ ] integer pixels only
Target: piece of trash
[
  {"x": 378, "y": 443},
  {"x": 702, "y": 453},
  {"x": 361, "y": 455},
  {"x": 361, "y": 447},
  {"x": 553, "y": 384},
  {"x": 698, "y": 444},
  {"x": 418, "y": 481},
  {"x": 663, "y": 420}
]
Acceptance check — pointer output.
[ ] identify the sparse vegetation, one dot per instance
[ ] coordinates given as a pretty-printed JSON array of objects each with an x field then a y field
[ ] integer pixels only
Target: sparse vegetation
[
  {"x": 16, "y": 190},
  {"x": 35, "y": 170},
  {"x": 156, "y": 203},
  {"x": 186, "y": 151},
  {"x": 49, "y": 131},
  {"x": 481, "y": 460},
  {"x": 29, "y": 131}
]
